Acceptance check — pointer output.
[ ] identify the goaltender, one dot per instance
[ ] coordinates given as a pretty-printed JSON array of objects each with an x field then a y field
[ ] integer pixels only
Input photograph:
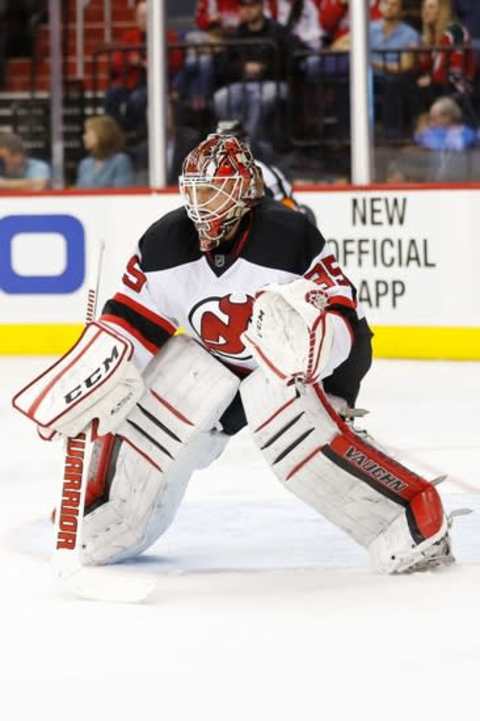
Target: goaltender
[{"x": 274, "y": 338}]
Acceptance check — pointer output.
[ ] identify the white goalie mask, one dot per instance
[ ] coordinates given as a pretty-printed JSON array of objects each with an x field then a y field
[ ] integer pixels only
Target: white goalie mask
[{"x": 220, "y": 182}]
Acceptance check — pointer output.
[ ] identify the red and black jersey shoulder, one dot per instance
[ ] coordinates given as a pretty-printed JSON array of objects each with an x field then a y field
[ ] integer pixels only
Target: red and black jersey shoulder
[
  {"x": 285, "y": 239},
  {"x": 171, "y": 241},
  {"x": 282, "y": 238}
]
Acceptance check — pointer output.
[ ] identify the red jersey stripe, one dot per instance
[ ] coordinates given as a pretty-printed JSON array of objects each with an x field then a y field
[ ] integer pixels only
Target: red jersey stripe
[
  {"x": 341, "y": 300},
  {"x": 148, "y": 314}
]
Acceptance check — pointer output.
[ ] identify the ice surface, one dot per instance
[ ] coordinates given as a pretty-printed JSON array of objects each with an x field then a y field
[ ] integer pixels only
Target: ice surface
[{"x": 262, "y": 610}]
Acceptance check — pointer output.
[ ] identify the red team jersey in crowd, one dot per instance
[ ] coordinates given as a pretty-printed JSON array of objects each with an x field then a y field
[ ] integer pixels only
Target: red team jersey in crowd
[
  {"x": 334, "y": 16},
  {"x": 170, "y": 283},
  {"x": 455, "y": 66},
  {"x": 128, "y": 67},
  {"x": 227, "y": 10}
]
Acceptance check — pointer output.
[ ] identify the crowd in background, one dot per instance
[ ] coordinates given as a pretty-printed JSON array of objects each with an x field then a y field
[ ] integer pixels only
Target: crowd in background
[
  {"x": 281, "y": 67},
  {"x": 18, "y": 21}
]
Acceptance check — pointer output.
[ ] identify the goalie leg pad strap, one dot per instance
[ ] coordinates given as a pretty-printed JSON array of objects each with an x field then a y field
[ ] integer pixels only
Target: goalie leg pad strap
[
  {"x": 143, "y": 501},
  {"x": 320, "y": 459},
  {"x": 169, "y": 434}
]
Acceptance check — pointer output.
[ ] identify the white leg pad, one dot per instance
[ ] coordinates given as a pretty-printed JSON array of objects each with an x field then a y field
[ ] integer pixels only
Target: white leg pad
[
  {"x": 395, "y": 552},
  {"x": 169, "y": 434},
  {"x": 386, "y": 508}
]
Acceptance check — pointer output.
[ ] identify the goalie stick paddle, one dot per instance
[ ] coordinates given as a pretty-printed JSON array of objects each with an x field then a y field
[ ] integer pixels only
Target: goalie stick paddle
[{"x": 101, "y": 584}]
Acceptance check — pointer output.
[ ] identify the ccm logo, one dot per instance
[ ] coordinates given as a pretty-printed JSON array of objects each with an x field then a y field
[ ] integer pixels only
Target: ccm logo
[
  {"x": 259, "y": 323},
  {"x": 93, "y": 378}
]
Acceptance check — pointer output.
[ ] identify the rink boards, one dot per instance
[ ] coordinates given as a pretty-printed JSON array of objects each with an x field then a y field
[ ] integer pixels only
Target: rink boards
[{"x": 412, "y": 254}]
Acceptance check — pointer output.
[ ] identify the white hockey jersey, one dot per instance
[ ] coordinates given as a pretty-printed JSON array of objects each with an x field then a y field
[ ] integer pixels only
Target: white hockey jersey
[{"x": 169, "y": 283}]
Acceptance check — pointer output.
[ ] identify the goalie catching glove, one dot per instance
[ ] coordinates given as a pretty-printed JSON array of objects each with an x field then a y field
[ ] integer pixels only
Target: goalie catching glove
[
  {"x": 292, "y": 334},
  {"x": 96, "y": 379}
]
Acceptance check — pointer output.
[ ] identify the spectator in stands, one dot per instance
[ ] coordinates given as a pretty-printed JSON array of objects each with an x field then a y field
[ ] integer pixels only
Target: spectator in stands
[
  {"x": 216, "y": 21},
  {"x": 18, "y": 171},
  {"x": 193, "y": 85},
  {"x": 449, "y": 71},
  {"x": 468, "y": 12},
  {"x": 443, "y": 128},
  {"x": 334, "y": 18},
  {"x": 335, "y": 21},
  {"x": 106, "y": 166},
  {"x": 219, "y": 16},
  {"x": 301, "y": 18},
  {"x": 254, "y": 73},
  {"x": 222, "y": 16},
  {"x": 126, "y": 99},
  {"x": 394, "y": 84},
  {"x": 390, "y": 33}
]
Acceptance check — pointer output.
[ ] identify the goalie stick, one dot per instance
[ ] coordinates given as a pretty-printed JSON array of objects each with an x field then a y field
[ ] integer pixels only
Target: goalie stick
[{"x": 101, "y": 584}]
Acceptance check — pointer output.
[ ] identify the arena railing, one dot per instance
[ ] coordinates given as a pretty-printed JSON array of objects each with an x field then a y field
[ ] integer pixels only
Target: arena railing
[
  {"x": 313, "y": 115},
  {"x": 188, "y": 68},
  {"x": 327, "y": 99}
]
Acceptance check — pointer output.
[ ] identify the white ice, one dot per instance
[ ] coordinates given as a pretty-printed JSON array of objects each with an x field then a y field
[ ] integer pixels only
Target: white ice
[{"x": 262, "y": 610}]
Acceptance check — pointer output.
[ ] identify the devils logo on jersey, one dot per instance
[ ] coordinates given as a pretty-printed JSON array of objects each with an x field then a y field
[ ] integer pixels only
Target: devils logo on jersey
[{"x": 219, "y": 323}]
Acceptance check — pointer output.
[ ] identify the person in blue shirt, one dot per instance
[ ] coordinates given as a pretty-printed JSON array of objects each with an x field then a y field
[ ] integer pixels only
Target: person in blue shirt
[
  {"x": 394, "y": 90},
  {"x": 393, "y": 66},
  {"x": 106, "y": 166},
  {"x": 17, "y": 170},
  {"x": 390, "y": 33},
  {"x": 444, "y": 129}
]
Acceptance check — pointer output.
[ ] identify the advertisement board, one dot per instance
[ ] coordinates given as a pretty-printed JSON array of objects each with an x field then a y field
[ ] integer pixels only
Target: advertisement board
[{"x": 412, "y": 254}]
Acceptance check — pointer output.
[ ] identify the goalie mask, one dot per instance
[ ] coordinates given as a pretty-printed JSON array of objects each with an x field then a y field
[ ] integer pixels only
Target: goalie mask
[{"x": 220, "y": 182}]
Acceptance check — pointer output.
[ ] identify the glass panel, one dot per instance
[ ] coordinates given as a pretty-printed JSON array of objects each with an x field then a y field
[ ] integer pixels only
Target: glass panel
[
  {"x": 293, "y": 101},
  {"x": 426, "y": 97},
  {"x": 24, "y": 98},
  {"x": 294, "y": 104}
]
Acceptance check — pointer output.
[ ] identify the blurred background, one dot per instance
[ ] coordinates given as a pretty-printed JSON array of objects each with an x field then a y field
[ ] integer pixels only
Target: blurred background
[{"x": 74, "y": 98}]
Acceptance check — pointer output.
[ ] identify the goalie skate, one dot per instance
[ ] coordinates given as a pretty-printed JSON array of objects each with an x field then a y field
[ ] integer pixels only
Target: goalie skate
[{"x": 440, "y": 554}]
